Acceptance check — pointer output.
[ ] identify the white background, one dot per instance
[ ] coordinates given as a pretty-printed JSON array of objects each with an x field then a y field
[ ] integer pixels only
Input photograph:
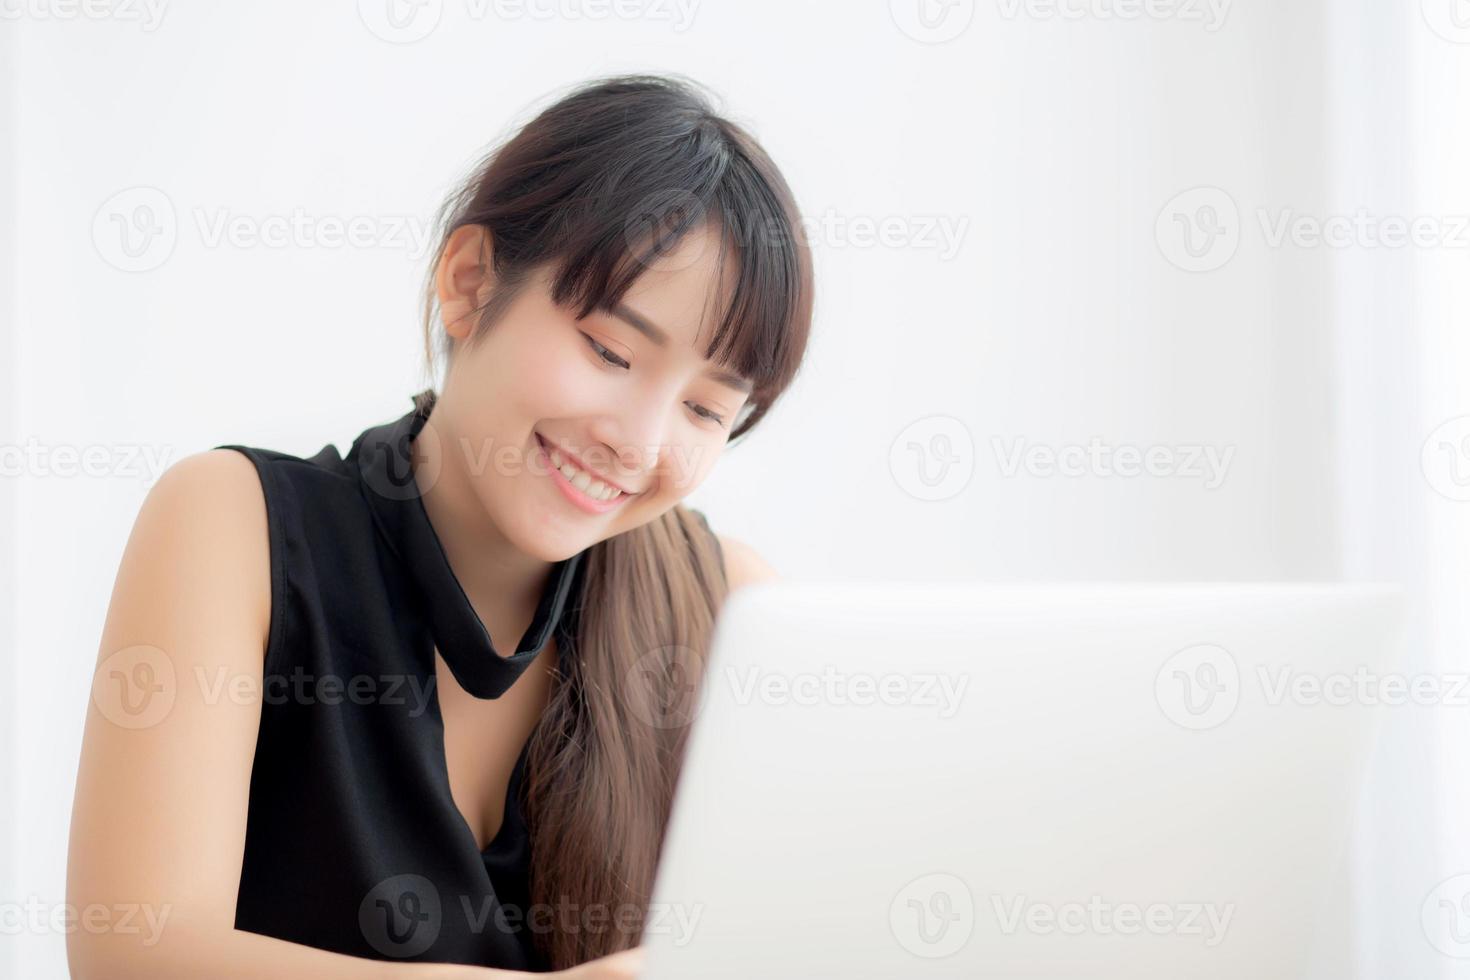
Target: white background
[{"x": 1060, "y": 314}]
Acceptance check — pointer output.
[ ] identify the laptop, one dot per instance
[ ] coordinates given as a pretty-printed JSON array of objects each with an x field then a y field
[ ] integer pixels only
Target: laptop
[{"x": 943, "y": 781}]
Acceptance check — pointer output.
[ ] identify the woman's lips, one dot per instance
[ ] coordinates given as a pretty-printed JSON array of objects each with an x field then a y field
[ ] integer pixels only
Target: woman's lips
[
  {"x": 576, "y": 497},
  {"x": 577, "y": 464}
]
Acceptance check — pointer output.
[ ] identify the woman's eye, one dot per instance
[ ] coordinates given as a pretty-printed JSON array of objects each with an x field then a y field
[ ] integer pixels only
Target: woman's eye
[
  {"x": 606, "y": 355},
  {"x": 705, "y": 413}
]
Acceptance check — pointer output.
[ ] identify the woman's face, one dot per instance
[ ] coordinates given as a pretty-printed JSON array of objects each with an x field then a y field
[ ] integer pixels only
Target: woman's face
[{"x": 624, "y": 399}]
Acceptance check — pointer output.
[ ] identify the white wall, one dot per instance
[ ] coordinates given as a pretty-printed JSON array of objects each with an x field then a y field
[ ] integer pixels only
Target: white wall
[
  {"x": 1378, "y": 425},
  {"x": 9, "y": 629},
  {"x": 1053, "y": 145},
  {"x": 1439, "y": 298},
  {"x": 1401, "y": 77}
]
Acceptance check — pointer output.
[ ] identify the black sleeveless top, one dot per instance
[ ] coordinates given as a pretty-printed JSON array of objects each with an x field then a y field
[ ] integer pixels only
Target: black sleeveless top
[{"x": 353, "y": 841}]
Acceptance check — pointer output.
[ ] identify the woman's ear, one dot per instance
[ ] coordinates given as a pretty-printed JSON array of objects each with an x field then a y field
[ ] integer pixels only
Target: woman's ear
[{"x": 462, "y": 281}]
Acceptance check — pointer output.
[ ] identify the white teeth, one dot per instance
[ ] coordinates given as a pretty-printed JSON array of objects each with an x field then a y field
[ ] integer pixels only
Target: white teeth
[{"x": 582, "y": 480}]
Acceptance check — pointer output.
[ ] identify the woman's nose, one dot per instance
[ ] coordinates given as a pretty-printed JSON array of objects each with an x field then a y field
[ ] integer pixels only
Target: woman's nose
[{"x": 635, "y": 436}]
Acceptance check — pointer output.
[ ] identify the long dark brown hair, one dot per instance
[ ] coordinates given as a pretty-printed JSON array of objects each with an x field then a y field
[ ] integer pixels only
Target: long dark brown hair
[{"x": 595, "y": 187}]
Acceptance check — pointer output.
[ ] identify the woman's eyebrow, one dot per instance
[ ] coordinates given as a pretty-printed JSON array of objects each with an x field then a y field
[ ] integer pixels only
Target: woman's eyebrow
[{"x": 728, "y": 378}]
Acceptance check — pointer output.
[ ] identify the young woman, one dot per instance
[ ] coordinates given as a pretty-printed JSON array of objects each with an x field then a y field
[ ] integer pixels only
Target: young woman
[{"x": 406, "y": 712}]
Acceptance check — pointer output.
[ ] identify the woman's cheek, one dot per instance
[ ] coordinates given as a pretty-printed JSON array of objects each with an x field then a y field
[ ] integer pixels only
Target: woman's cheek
[
  {"x": 556, "y": 379},
  {"x": 687, "y": 466}
]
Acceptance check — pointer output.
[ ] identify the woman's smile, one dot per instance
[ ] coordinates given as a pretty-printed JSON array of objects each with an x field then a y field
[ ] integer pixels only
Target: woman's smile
[{"x": 581, "y": 488}]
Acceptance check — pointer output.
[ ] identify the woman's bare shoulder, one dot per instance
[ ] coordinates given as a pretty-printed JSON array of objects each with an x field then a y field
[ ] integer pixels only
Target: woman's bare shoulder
[
  {"x": 203, "y": 526},
  {"x": 743, "y": 564}
]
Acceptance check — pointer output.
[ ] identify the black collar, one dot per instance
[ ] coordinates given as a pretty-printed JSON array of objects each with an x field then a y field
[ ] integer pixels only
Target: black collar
[{"x": 383, "y": 460}]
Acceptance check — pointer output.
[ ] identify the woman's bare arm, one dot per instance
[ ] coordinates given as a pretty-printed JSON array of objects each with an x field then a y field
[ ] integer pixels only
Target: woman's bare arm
[{"x": 158, "y": 822}]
